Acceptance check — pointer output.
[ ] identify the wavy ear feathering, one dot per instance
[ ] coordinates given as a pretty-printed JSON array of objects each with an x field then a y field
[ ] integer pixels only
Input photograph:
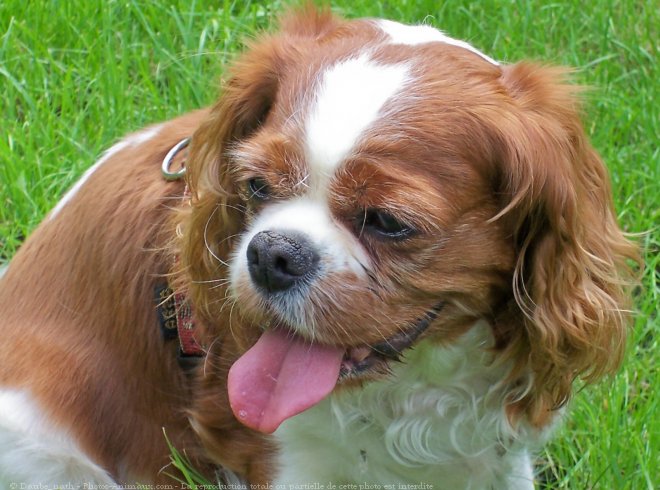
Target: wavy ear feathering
[{"x": 573, "y": 269}]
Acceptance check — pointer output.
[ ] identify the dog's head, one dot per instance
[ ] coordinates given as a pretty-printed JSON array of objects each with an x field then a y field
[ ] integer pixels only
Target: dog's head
[{"x": 363, "y": 184}]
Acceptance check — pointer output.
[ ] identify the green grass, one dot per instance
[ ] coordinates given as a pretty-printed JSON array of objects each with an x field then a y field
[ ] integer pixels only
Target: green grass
[{"x": 76, "y": 75}]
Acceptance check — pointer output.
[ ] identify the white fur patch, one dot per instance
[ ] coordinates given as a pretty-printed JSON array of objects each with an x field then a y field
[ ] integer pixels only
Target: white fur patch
[
  {"x": 350, "y": 98},
  {"x": 133, "y": 140},
  {"x": 33, "y": 452},
  {"x": 421, "y": 34},
  {"x": 439, "y": 418},
  {"x": 228, "y": 479},
  {"x": 143, "y": 136}
]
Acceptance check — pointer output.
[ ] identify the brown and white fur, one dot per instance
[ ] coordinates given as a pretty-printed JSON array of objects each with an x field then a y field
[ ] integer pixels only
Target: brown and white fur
[{"x": 419, "y": 171}]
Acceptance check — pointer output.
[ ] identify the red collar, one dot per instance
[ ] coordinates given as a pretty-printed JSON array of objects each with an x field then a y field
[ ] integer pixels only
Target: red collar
[
  {"x": 177, "y": 322},
  {"x": 185, "y": 326}
]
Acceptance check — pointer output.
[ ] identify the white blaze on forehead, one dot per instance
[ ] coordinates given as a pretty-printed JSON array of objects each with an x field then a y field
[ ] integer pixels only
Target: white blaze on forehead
[
  {"x": 421, "y": 34},
  {"x": 349, "y": 100}
]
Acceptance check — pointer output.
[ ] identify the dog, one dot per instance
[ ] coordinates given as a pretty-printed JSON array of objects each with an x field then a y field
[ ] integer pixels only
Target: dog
[{"x": 390, "y": 259}]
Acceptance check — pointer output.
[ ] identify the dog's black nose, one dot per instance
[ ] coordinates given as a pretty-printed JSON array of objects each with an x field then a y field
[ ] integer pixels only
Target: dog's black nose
[{"x": 278, "y": 260}]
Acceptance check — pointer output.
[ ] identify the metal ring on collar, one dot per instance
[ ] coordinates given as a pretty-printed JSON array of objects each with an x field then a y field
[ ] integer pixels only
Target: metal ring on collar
[{"x": 167, "y": 161}]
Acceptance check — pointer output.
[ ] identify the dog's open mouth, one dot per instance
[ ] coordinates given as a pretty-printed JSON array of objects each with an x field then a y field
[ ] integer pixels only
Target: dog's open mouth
[
  {"x": 283, "y": 375},
  {"x": 359, "y": 360}
]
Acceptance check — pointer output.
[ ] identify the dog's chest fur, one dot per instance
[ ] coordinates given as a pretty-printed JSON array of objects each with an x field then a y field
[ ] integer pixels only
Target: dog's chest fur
[{"x": 438, "y": 419}]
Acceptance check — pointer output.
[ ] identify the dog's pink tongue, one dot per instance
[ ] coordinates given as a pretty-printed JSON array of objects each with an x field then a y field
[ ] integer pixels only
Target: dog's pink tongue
[{"x": 279, "y": 377}]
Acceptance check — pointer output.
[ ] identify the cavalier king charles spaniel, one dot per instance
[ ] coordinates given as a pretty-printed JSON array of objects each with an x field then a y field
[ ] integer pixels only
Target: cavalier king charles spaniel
[{"x": 389, "y": 260}]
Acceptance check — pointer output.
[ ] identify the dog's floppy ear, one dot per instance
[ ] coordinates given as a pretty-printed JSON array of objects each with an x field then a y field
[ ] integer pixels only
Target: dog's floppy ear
[{"x": 572, "y": 274}]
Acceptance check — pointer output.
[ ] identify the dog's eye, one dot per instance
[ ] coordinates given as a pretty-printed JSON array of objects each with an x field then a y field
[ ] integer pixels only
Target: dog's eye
[
  {"x": 258, "y": 188},
  {"x": 385, "y": 225}
]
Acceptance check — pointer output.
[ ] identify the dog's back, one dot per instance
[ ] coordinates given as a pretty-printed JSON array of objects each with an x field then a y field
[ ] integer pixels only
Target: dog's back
[{"x": 86, "y": 381}]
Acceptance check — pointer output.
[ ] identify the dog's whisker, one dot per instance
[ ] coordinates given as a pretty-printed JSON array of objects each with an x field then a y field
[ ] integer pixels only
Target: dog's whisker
[
  {"x": 206, "y": 243},
  {"x": 239, "y": 208},
  {"x": 220, "y": 284},
  {"x": 210, "y": 281},
  {"x": 209, "y": 350}
]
